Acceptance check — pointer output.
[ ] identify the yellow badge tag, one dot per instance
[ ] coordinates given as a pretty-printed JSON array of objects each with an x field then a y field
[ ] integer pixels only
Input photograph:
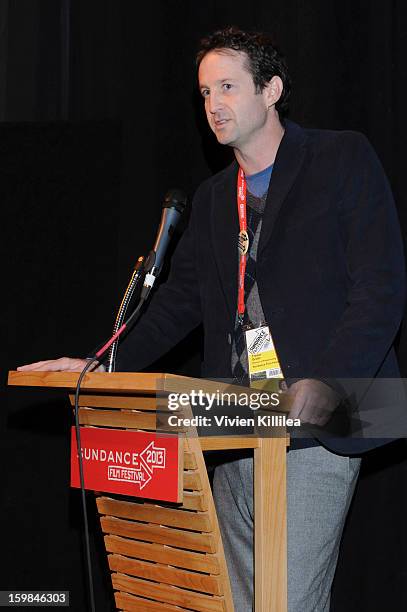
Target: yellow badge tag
[{"x": 262, "y": 355}]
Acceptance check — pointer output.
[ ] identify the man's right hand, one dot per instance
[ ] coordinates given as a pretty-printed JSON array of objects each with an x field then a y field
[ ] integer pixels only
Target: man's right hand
[{"x": 66, "y": 364}]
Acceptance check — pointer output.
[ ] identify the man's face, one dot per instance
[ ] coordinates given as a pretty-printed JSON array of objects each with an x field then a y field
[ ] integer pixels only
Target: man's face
[{"x": 235, "y": 112}]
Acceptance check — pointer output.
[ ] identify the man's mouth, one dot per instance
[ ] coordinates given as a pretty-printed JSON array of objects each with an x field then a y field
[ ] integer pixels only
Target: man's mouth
[{"x": 220, "y": 122}]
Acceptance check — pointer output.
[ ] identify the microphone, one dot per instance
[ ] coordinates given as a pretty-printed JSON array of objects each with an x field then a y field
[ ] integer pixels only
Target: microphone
[
  {"x": 175, "y": 201},
  {"x": 174, "y": 204}
]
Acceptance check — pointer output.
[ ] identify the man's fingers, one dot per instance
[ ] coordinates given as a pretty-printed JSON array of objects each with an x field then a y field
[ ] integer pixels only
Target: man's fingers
[
  {"x": 314, "y": 401},
  {"x": 66, "y": 364},
  {"x": 316, "y": 411},
  {"x": 47, "y": 364},
  {"x": 31, "y": 366},
  {"x": 304, "y": 408},
  {"x": 296, "y": 406}
]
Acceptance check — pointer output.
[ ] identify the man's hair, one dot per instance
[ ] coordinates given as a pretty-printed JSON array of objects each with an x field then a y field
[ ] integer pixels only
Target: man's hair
[{"x": 263, "y": 58}]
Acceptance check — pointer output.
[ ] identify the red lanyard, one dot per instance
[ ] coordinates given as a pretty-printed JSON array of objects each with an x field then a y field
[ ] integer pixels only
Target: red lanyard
[{"x": 243, "y": 241}]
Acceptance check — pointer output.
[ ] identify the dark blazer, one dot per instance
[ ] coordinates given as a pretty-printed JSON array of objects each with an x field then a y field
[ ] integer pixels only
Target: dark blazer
[{"x": 330, "y": 268}]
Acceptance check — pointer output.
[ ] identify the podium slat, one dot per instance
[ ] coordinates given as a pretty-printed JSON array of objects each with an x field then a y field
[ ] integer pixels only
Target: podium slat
[
  {"x": 192, "y": 480},
  {"x": 228, "y": 442},
  {"x": 189, "y": 461},
  {"x": 150, "y": 513},
  {"x": 194, "y": 500},
  {"x": 169, "y": 594},
  {"x": 129, "y": 402},
  {"x": 117, "y": 418},
  {"x": 132, "y": 603},
  {"x": 160, "y": 553},
  {"x": 166, "y": 574},
  {"x": 201, "y": 542}
]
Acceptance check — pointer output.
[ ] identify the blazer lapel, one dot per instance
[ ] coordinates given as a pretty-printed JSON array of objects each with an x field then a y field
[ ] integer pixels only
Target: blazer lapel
[
  {"x": 225, "y": 225},
  {"x": 289, "y": 158},
  {"x": 225, "y": 230}
]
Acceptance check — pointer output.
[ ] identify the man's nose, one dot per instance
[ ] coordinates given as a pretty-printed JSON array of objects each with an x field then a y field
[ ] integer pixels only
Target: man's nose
[{"x": 214, "y": 102}]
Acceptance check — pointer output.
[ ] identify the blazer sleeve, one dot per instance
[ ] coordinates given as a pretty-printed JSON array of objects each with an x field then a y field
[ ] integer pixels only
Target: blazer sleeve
[
  {"x": 173, "y": 311},
  {"x": 373, "y": 251}
]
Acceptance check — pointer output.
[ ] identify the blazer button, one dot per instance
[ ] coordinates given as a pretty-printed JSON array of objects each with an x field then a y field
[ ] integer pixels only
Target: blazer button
[
  {"x": 293, "y": 364},
  {"x": 278, "y": 311}
]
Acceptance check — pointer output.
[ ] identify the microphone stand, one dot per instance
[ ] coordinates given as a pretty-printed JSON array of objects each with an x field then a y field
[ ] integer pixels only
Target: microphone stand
[{"x": 121, "y": 314}]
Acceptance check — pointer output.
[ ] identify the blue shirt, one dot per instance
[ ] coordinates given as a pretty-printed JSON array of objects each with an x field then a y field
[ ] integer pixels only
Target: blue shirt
[{"x": 258, "y": 183}]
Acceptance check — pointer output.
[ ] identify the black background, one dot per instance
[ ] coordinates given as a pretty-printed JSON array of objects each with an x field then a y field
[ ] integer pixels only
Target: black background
[{"x": 98, "y": 118}]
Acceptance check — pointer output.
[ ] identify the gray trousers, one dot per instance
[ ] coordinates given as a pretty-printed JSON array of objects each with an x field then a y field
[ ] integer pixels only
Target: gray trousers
[{"x": 320, "y": 486}]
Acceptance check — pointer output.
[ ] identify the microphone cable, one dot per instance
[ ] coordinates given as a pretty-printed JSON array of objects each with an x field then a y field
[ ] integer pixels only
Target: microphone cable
[{"x": 91, "y": 361}]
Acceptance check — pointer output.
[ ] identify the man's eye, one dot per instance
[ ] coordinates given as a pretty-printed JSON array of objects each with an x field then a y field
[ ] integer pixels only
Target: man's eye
[
  {"x": 227, "y": 86},
  {"x": 205, "y": 93}
]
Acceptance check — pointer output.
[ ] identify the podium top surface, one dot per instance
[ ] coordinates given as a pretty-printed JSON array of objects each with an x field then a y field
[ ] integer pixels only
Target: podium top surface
[
  {"x": 125, "y": 382},
  {"x": 134, "y": 383}
]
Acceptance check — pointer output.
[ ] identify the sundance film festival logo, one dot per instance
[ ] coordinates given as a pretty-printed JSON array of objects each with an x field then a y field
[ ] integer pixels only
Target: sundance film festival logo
[{"x": 137, "y": 468}]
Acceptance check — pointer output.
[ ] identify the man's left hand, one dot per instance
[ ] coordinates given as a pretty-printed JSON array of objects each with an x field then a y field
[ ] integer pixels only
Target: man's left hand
[{"x": 312, "y": 401}]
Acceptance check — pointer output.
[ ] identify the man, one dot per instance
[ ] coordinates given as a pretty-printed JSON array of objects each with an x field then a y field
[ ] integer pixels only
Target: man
[{"x": 324, "y": 270}]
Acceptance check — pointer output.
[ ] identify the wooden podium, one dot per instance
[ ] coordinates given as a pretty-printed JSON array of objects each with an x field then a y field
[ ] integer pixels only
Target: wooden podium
[{"x": 169, "y": 557}]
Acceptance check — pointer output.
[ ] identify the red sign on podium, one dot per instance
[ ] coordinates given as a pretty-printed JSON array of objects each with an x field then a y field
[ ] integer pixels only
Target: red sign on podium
[{"x": 126, "y": 462}]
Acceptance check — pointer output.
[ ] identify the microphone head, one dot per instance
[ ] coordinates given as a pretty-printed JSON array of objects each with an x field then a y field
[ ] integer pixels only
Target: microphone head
[{"x": 175, "y": 198}]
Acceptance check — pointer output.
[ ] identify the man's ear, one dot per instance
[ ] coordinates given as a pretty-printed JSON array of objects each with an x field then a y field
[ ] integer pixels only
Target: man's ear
[{"x": 273, "y": 91}]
